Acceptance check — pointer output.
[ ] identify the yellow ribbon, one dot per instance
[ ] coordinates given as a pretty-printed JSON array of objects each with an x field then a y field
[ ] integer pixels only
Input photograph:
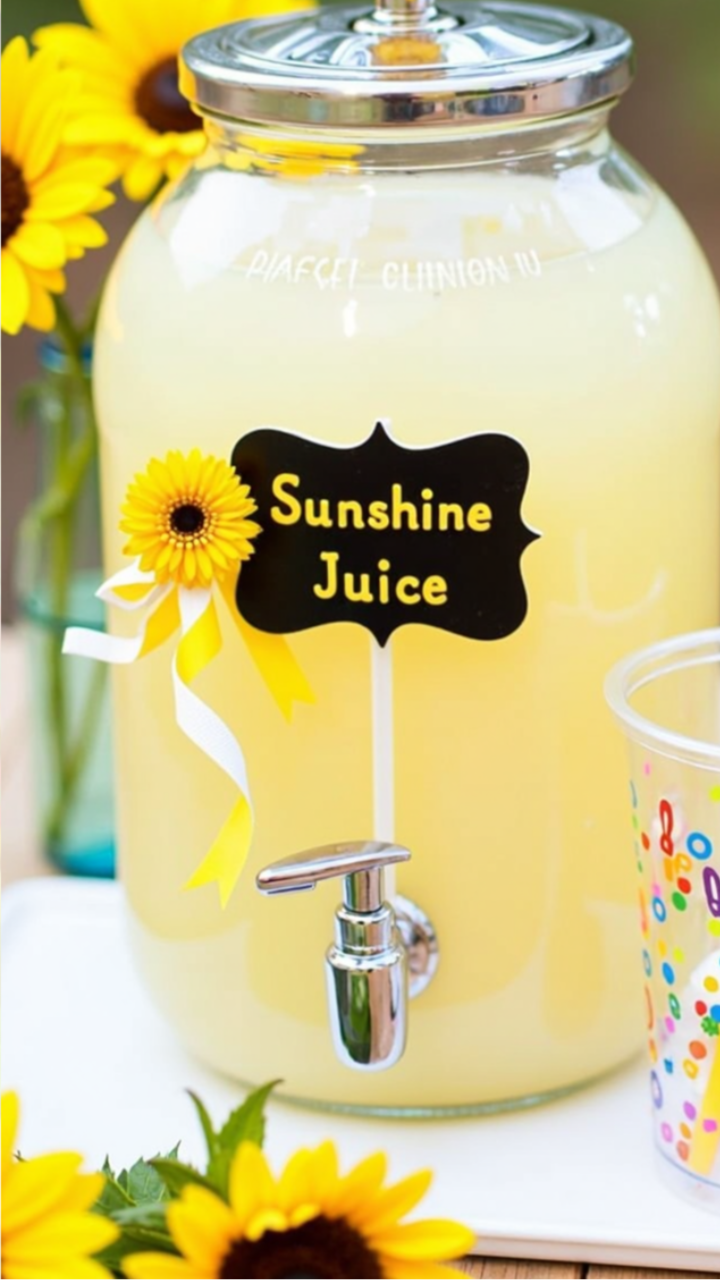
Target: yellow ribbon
[
  {"x": 273, "y": 658},
  {"x": 193, "y": 612}
]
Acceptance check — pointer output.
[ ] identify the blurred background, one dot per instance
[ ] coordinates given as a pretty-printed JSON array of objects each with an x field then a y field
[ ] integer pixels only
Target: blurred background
[{"x": 670, "y": 121}]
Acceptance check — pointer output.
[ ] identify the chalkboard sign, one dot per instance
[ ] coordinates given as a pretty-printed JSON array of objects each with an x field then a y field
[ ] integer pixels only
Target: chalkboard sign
[{"x": 384, "y": 535}]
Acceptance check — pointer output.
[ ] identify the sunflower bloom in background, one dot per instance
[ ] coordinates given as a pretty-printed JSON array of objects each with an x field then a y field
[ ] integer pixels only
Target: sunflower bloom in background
[
  {"x": 47, "y": 1229},
  {"x": 48, "y": 192},
  {"x": 131, "y": 105},
  {"x": 310, "y": 1221}
]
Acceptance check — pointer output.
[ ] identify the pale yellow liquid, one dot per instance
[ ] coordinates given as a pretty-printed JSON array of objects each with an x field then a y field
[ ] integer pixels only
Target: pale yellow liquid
[{"x": 510, "y": 783}]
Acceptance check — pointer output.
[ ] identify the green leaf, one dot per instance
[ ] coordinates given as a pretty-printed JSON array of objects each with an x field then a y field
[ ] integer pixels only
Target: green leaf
[
  {"x": 177, "y": 1175},
  {"x": 144, "y": 1184},
  {"x": 245, "y": 1124},
  {"x": 206, "y": 1122},
  {"x": 113, "y": 1196}
]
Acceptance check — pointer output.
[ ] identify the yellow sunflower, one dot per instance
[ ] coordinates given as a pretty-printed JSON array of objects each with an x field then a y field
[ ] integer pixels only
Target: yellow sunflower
[
  {"x": 188, "y": 519},
  {"x": 47, "y": 1229},
  {"x": 310, "y": 1221},
  {"x": 128, "y": 57},
  {"x": 48, "y": 192}
]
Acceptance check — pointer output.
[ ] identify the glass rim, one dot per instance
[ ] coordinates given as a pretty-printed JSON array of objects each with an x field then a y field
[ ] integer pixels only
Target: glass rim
[{"x": 642, "y": 667}]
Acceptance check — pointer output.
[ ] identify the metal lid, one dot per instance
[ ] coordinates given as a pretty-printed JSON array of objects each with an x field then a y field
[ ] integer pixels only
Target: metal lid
[{"x": 408, "y": 63}]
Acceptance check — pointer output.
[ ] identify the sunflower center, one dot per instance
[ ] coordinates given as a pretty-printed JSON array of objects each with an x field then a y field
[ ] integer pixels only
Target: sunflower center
[
  {"x": 15, "y": 198},
  {"x": 160, "y": 103},
  {"x": 322, "y": 1249},
  {"x": 187, "y": 520}
]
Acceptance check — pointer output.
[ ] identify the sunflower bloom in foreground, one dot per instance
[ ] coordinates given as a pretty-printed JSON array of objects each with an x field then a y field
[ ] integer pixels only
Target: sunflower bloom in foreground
[
  {"x": 310, "y": 1221},
  {"x": 128, "y": 58},
  {"x": 188, "y": 519},
  {"x": 47, "y": 1229},
  {"x": 48, "y": 192}
]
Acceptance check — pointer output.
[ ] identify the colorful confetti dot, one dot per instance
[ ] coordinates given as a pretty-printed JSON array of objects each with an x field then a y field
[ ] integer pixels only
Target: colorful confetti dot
[
  {"x": 684, "y": 885},
  {"x": 674, "y": 1003},
  {"x": 652, "y": 1050},
  {"x": 699, "y": 846},
  {"x": 666, "y": 1132},
  {"x": 656, "y": 1089},
  {"x": 668, "y": 973},
  {"x": 647, "y": 963},
  {"x": 678, "y": 955},
  {"x": 669, "y": 1065},
  {"x": 711, "y": 984},
  {"x": 678, "y": 901},
  {"x": 715, "y": 1012},
  {"x": 690, "y": 1068},
  {"x": 715, "y": 793},
  {"x": 714, "y": 928},
  {"x": 659, "y": 910},
  {"x": 697, "y": 1050},
  {"x": 683, "y": 1150},
  {"x": 710, "y": 1126},
  {"x": 690, "y": 1110},
  {"x": 633, "y": 794},
  {"x": 685, "y": 1130},
  {"x": 647, "y": 768},
  {"x": 670, "y": 1025},
  {"x": 700, "y": 1008},
  {"x": 662, "y": 949},
  {"x": 645, "y": 840}
]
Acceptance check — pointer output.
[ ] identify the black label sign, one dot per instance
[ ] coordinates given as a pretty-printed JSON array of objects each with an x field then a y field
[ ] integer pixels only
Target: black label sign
[{"x": 384, "y": 535}]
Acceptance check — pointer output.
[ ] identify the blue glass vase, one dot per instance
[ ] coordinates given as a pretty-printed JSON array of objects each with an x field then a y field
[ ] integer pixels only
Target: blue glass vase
[{"x": 58, "y": 577}]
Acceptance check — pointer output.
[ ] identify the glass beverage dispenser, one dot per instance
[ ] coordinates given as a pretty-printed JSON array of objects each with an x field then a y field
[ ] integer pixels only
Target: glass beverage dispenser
[{"x": 464, "y": 354}]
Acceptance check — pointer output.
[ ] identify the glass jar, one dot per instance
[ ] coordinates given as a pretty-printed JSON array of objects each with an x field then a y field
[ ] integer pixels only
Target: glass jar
[{"x": 419, "y": 218}]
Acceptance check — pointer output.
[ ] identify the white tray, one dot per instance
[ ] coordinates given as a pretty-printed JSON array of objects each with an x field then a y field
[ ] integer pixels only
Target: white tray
[{"x": 98, "y": 1070}]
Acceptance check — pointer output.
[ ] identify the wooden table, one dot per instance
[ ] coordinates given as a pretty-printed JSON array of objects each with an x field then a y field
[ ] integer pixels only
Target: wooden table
[{"x": 22, "y": 858}]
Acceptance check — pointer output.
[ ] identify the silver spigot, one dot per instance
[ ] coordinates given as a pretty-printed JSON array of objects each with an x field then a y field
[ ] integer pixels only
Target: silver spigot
[{"x": 382, "y": 956}]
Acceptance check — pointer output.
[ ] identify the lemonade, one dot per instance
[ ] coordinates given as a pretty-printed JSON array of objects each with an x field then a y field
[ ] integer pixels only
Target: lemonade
[{"x": 568, "y": 308}]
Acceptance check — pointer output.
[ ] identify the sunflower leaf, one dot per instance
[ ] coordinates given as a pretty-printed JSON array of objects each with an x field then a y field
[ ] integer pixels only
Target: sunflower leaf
[
  {"x": 206, "y": 1123},
  {"x": 245, "y": 1124},
  {"x": 113, "y": 1196},
  {"x": 144, "y": 1184},
  {"x": 177, "y": 1175}
]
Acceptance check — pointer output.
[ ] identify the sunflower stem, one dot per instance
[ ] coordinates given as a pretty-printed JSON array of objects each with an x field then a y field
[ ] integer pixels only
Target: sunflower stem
[{"x": 72, "y": 457}]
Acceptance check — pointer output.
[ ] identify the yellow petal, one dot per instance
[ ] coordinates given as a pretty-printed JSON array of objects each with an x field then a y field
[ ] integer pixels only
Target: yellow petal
[
  {"x": 142, "y": 177},
  {"x": 84, "y": 231},
  {"x": 34, "y": 1187},
  {"x": 431, "y": 1238},
  {"x": 46, "y": 91},
  {"x": 41, "y": 311},
  {"x": 62, "y": 200},
  {"x": 161, "y": 1266},
  {"x": 202, "y": 1225},
  {"x": 41, "y": 130},
  {"x": 252, "y": 1186},
  {"x": 39, "y": 244},
  {"x": 323, "y": 1174},
  {"x": 294, "y": 1184},
  {"x": 121, "y": 24},
  {"x": 396, "y": 1270},
  {"x": 386, "y": 1208},
  {"x": 13, "y": 68},
  {"x": 81, "y": 47},
  {"x": 360, "y": 1185},
  {"x": 68, "y": 1268},
  {"x": 9, "y": 1117},
  {"x": 59, "y": 1235},
  {"x": 104, "y": 127},
  {"x": 15, "y": 293}
]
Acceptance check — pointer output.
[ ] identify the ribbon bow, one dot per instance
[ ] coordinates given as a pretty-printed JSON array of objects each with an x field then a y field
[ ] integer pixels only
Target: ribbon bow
[{"x": 177, "y": 605}]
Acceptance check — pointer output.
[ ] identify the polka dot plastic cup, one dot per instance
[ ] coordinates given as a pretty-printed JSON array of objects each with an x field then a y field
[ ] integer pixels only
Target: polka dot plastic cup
[{"x": 667, "y": 700}]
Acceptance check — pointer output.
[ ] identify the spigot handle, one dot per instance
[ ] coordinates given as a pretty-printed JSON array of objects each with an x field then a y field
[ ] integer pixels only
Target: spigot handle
[{"x": 358, "y": 863}]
